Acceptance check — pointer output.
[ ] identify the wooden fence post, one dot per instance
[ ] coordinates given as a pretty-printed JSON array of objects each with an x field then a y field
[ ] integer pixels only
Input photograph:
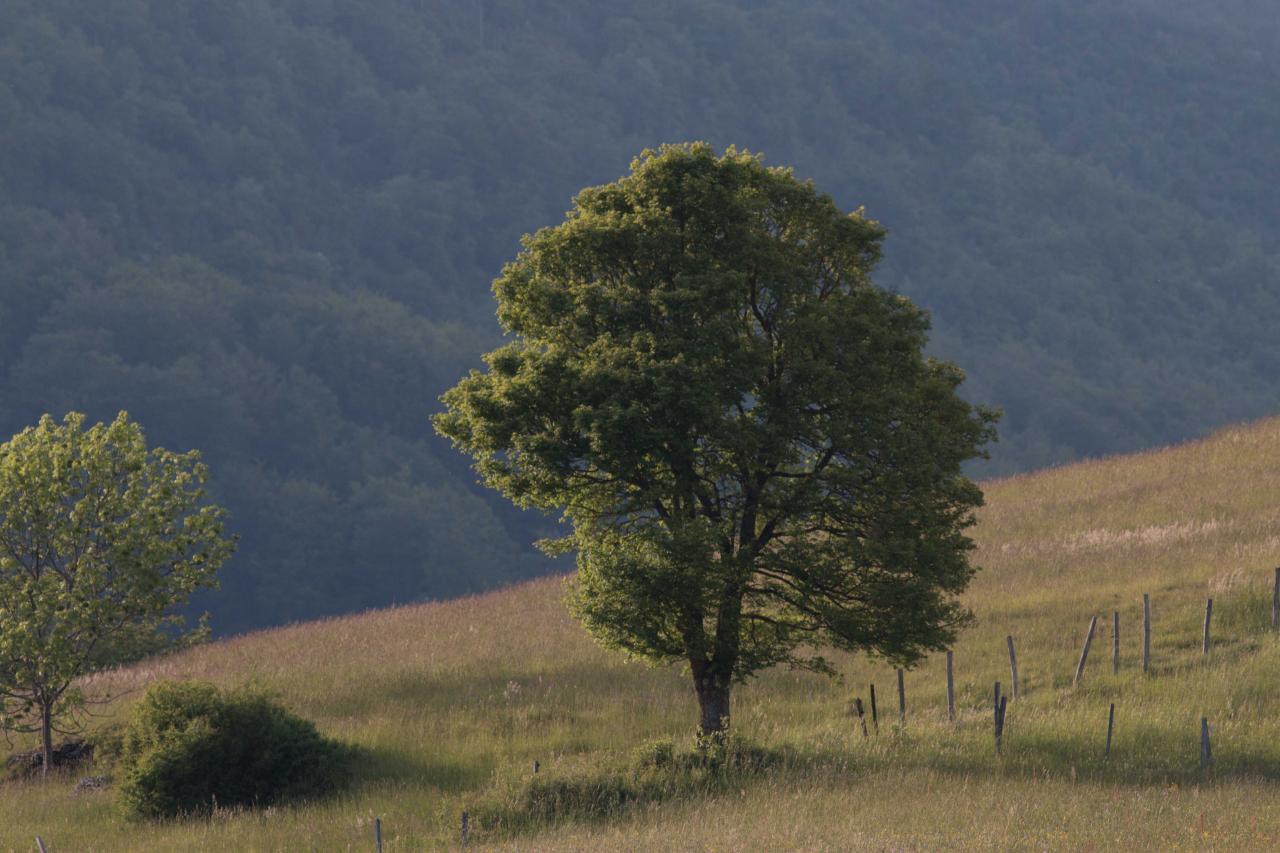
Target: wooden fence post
[
  {"x": 951, "y": 689},
  {"x": 1146, "y": 632},
  {"x": 377, "y": 833},
  {"x": 1115, "y": 641},
  {"x": 466, "y": 828},
  {"x": 902, "y": 697},
  {"x": 1013, "y": 665},
  {"x": 1206, "y": 757},
  {"x": 875, "y": 715},
  {"x": 40, "y": 844},
  {"x": 1084, "y": 653},
  {"x": 1111, "y": 725},
  {"x": 995, "y": 702},
  {"x": 1275, "y": 602},
  {"x": 857, "y": 706},
  {"x": 1001, "y": 707},
  {"x": 1208, "y": 615}
]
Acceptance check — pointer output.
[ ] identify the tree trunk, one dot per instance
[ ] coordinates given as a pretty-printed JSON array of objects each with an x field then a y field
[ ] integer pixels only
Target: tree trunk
[
  {"x": 46, "y": 739},
  {"x": 713, "y": 701}
]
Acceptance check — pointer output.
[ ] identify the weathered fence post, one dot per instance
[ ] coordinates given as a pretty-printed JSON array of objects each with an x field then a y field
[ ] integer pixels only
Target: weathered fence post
[
  {"x": 1146, "y": 632},
  {"x": 1084, "y": 653},
  {"x": 40, "y": 844},
  {"x": 1115, "y": 641},
  {"x": 466, "y": 828},
  {"x": 1111, "y": 725},
  {"x": 1206, "y": 756},
  {"x": 1275, "y": 602},
  {"x": 1208, "y": 615},
  {"x": 875, "y": 714},
  {"x": 995, "y": 702},
  {"x": 902, "y": 696},
  {"x": 377, "y": 833},
  {"x": 1001, "y": 707},
  {"x": 951, "y": 688},
  {"x": 857, "y": 706},
  {"x": 536, "y": 766},
  {"x": 1013, "y": 665}
]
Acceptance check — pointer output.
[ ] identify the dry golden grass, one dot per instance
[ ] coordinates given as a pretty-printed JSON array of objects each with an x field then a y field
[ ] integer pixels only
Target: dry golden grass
[{"x": 453, "y": 701}]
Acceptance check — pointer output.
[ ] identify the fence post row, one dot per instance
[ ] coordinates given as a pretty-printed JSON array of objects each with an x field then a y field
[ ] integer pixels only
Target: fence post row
[
  {"x": 1001, "y": 707},
  {"x": 1013, "y": 665},
  {"x": 1084, "y": 653},
  {"x": 1206, "y": 756},
  {"x": 951, "y": 688},
  {"x": 1208, "y": 615},
  {"x": 1146, "y": 632},
  {"x": 1275, "y": 602},
  {"x": 1115, "y": 641}
]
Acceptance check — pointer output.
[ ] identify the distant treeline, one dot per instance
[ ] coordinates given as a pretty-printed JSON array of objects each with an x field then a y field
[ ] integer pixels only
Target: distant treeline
[{"x": 267, "y": 227}]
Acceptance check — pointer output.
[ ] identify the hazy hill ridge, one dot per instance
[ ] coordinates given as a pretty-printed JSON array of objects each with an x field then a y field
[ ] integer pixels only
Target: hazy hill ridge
[{"x": 267, "y": 227}]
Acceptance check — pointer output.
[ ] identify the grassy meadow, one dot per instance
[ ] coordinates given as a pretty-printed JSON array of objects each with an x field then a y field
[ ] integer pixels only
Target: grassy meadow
[{"x": 452, "y": 703}]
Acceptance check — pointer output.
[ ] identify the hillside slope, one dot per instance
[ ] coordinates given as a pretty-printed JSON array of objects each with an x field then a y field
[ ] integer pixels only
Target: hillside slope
[
  {"x": 267, "y": 227},
  {"x": 455, "y": 701}
]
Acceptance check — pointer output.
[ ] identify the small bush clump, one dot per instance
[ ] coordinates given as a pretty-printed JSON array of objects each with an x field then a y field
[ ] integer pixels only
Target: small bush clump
[
  {"x": 655, "y": 772},
  {"x": 191, "y": 748}
]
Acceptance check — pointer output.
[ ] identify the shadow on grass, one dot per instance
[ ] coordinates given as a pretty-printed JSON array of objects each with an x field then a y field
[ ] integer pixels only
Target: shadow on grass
[{"x": 379, "y": 765}]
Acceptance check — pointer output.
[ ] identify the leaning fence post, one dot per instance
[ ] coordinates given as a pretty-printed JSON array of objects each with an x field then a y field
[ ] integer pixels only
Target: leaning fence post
[
  {"x": 1275, "y": 602},
  {"x": 1208, "y": 614},
  {"x": 1115, "y": 641},
  {"x": 1013, "y": 665},
  {"x": 1111, "y": 725},
  {"x": 377, "y": 833},
  {"x": 1206, "y": 757},
  {"x": 902, "y": 697},
  {"x": 875, "y": 715},
  {"x": 1084, "y": 653},
  {"x": 40, "y": 844},
  {"x": 1146, "y": 631},
  {"x": 951, "y": 689}
]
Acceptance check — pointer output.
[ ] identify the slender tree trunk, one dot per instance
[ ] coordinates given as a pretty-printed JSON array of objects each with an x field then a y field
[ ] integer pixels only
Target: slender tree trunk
[
  {"x": 713, "y": 702},
  {"x": 46, "y": 738}
]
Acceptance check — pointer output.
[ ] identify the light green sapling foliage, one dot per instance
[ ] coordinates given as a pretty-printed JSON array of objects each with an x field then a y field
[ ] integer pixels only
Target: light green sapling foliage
[{"x": 100, "y": 538}]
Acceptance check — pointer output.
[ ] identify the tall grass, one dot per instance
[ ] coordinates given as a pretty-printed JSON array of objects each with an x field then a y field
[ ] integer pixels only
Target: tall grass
[{"x": 453, "y": 702}]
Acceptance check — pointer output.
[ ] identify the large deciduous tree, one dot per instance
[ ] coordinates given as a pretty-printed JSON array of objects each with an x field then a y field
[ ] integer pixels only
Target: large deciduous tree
[
  {"x": 757, "y": 458},
  {"x": 100, "y": 538}
]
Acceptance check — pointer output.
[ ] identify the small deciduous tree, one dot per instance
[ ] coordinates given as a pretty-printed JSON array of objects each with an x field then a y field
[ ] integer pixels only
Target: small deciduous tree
[
  {"x": 757, "y": 458},
  {"x": 99, "y": 539}
]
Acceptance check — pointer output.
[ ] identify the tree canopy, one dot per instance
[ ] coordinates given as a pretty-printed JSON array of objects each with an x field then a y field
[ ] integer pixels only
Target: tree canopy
[
  {"x": 756, "y": 456},
  {"x": 100, "y": 538}
]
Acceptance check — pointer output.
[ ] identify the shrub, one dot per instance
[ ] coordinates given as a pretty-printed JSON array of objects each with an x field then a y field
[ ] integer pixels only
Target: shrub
[{"x": 190, "y": 748}]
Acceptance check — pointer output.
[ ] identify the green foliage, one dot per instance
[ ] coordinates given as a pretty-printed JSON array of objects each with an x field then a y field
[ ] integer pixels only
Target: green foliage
[
  {"x": 658, "y": 772},
  {"x": 190, "y": 748},
  {"x": 100, "y": 538},
  {"x": 265, "y": 227},
  {"x": 755, "y": 454}
]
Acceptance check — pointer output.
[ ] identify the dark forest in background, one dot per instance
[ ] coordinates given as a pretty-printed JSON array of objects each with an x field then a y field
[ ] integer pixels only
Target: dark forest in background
[{"x": 267, "y": 227}]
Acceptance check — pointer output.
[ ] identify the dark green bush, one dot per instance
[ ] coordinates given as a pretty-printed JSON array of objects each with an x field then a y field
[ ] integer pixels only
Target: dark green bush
[{"x": 190, "y": 748}]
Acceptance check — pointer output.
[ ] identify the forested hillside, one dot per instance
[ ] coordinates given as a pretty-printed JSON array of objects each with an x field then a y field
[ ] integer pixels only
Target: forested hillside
[{"x": 267, "y": 227}]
